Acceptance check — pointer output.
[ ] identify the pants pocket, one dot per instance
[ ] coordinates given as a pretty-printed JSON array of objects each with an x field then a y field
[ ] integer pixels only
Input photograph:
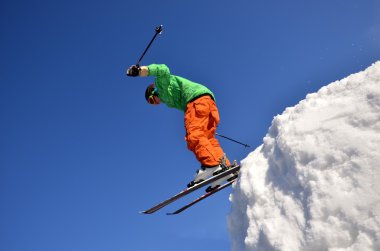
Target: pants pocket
[{"x": 201, "y": 109}]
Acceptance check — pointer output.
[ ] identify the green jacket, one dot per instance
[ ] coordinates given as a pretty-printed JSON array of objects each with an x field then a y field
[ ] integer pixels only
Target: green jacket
[{"x": 173, "y": 90}]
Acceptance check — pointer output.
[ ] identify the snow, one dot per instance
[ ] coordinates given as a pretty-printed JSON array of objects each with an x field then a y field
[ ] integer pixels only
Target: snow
[{"x": 314, "y": 182}]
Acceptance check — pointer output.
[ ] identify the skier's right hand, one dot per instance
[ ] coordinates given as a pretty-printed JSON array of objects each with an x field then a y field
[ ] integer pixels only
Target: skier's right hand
[{"x": 133, "y": 71}]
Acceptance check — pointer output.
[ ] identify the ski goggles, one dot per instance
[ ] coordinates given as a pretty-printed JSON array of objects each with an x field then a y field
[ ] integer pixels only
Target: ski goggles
[{"x": 153, "y": 97}]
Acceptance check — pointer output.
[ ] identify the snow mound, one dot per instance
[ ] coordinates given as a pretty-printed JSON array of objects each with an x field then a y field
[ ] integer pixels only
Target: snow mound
[{"x": 314, "y": 183}]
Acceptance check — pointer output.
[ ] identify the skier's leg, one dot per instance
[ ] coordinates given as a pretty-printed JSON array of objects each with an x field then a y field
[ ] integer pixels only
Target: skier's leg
[
  {"x": 201, "y": 120},
  {"x": 211, "y": 130},
  {"x": 200, "y": 128}
]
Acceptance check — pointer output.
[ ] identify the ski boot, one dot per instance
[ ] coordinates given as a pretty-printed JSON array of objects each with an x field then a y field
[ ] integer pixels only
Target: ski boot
[
  {"x": 227, "y": 178},
  {"x": 204, "y": 173}
]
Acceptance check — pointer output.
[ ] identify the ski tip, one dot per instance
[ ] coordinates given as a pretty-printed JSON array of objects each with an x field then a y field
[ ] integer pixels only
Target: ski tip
[{"x": 144, "y": 212}]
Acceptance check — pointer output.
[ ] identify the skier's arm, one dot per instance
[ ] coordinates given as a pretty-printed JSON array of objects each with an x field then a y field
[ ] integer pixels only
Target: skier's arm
[
  {"x": 158, "y": 70},
  {"x": 144, "y": 71},
  {"x": 154, "y": 70}
]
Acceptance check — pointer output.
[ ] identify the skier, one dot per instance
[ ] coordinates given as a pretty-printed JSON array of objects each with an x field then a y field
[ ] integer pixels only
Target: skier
[{"x": 201, "y": 115}]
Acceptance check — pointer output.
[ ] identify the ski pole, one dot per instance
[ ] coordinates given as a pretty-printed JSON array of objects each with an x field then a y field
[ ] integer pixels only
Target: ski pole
[
  {"x": 158, "y": 30},
  {"x": 232, "y": 140}
]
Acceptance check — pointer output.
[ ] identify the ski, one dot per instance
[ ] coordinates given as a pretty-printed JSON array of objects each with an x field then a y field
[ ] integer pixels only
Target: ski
[
  {"x": 204, "y": 196},
  {"x": 191, "y": 189}
]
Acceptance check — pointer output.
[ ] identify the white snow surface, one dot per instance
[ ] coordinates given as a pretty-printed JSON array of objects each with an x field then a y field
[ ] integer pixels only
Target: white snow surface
[{"x": 314, "y": 183}]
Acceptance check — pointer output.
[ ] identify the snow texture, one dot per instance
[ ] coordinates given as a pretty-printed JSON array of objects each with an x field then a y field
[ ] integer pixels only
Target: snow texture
[{"x": 314, "y": 183}]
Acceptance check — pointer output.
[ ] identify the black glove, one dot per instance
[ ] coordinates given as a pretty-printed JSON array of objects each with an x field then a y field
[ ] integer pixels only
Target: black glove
[{"x": 133, "y": 71}]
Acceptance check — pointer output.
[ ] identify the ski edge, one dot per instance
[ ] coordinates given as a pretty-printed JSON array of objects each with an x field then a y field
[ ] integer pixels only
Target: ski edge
[{"x": 202, "y": 197}]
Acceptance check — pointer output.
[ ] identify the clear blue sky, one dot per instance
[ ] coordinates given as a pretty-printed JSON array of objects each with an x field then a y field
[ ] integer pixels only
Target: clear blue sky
[{"x": 81, "y": 153}]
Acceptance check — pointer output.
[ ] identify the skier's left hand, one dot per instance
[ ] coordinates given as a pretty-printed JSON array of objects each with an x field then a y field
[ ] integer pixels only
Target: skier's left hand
[{"x": 133, "y": 71}]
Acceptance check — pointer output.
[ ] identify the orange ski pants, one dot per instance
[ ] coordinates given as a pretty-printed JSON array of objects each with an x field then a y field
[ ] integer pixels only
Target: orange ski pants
[{"x": 201, "y": 120}]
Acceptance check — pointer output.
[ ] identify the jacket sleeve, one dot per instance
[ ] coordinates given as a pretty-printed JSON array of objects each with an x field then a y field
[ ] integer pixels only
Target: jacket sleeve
[{"x": 158, "y": 70}]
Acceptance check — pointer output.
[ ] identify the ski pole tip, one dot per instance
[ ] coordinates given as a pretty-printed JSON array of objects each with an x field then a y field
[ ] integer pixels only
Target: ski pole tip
[{"x": 159, "y": 28}]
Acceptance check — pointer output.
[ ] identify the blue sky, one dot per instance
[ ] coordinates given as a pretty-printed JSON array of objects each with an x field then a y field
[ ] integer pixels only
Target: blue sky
[{"x": 81, "y": 153}]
